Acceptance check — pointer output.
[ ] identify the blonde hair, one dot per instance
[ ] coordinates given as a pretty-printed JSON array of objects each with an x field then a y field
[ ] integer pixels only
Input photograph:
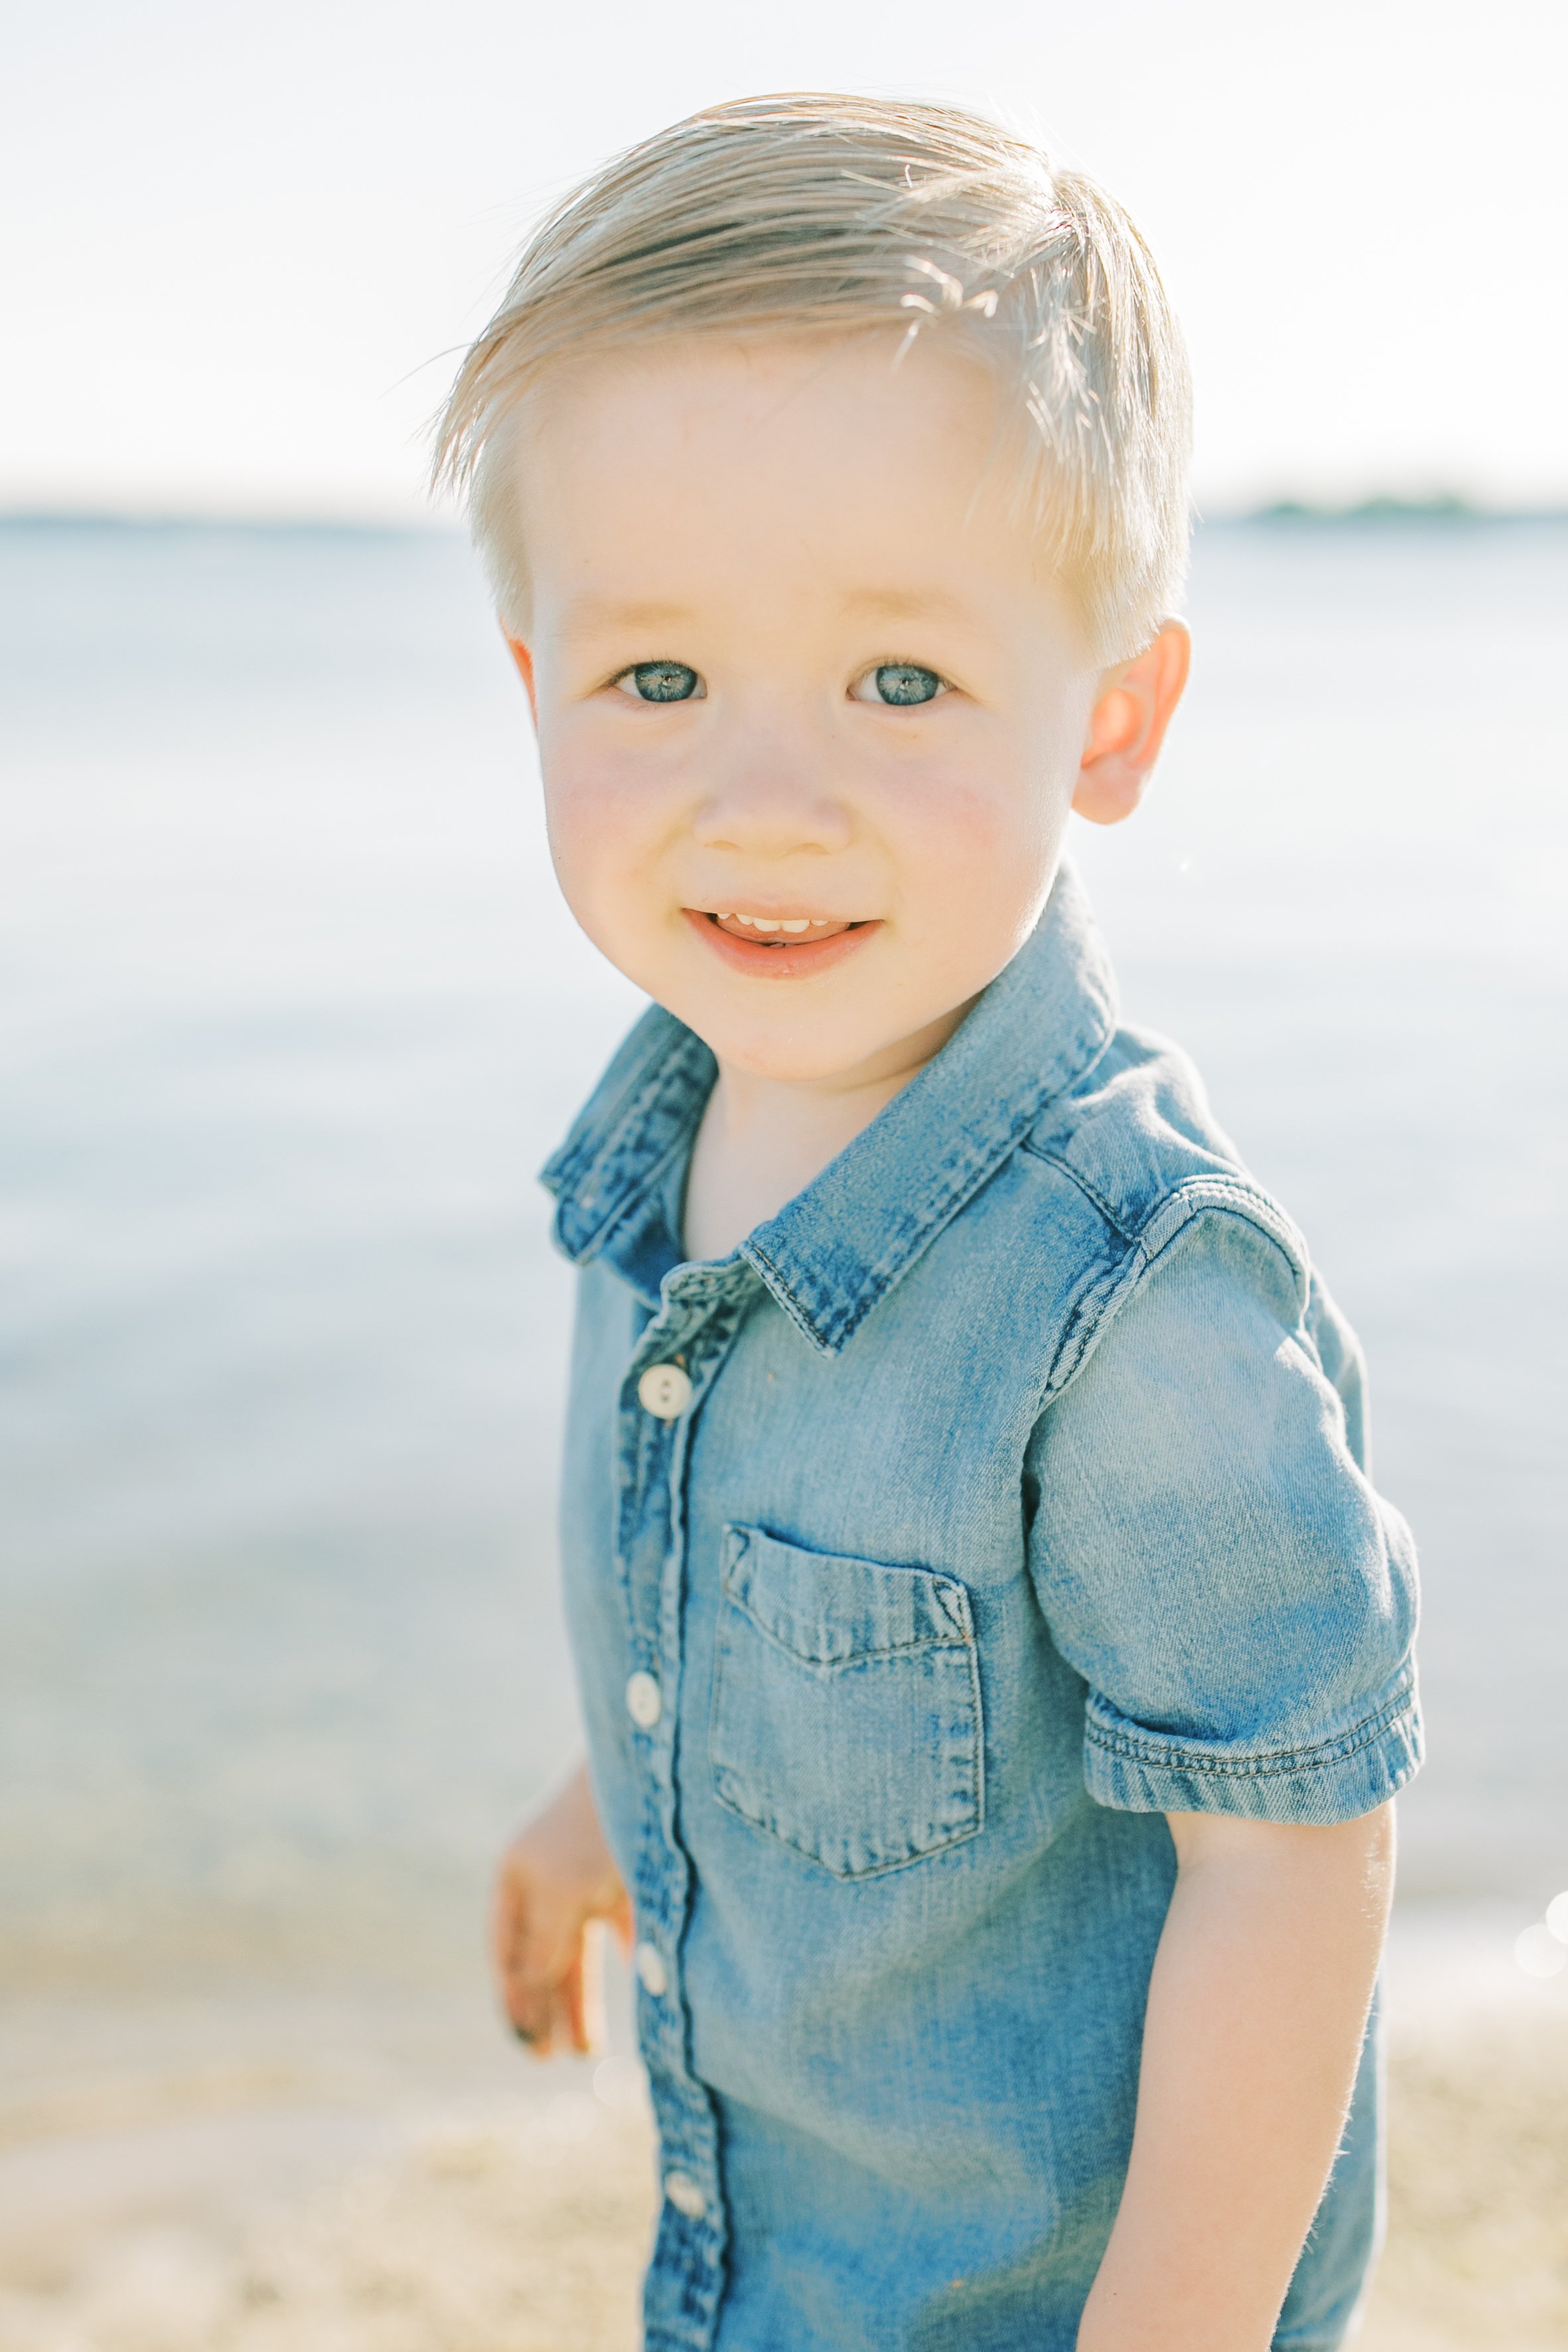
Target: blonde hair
[{"x": 797, "y": 215}]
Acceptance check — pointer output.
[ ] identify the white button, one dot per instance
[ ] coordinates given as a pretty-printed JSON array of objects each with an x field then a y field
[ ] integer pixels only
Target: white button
[
  {"x": 685, "y": 2195},
  {"x": 650, "y": 1968},
  {"x": 665, "y": 1390},
  {"x": 645, "y": 1701}
]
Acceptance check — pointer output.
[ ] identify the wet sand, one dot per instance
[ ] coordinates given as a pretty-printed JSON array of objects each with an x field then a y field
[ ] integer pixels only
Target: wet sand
[{"x": 401, "y": 2181}]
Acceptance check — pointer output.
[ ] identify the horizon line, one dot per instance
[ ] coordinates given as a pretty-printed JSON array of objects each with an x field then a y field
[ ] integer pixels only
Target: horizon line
[{"x": 1383, "y": 507}]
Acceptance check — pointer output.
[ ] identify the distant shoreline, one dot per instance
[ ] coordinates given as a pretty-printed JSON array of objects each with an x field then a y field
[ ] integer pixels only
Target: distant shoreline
[
  {"x": 1386, "y": 510},
  {"x": 21, "y": 520},
  {"x": 1380, "y": 513}
]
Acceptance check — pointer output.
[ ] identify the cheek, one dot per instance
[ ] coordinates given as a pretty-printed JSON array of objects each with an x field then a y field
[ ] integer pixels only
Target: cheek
[
  {"x": 605, "y": 816},
  {"x": 977, "y": 835}
]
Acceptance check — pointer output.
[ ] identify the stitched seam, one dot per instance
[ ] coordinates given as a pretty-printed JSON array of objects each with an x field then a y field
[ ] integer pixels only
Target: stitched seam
[
  {"x": 851, "y": 1657},
  {"x": 830, "y": 1318},
  {"x": 1196, "y": 1196},
  {"x": 950, "y": 1838},
  {"x": 1054, "y": 1160},
  {"x": 591, "y": 1139},
  {"x": 840, "y": 1317},
  {"x": 1108, "y": 1283},
  {"x": 1226, "y": 1196},
  {"x": 783, "y": 1296},
  {"x": 626, "y": 1183},
  {"x": 955, "y": 1181},
  {"x": 775, "y": 1829},
  {"x": 1147, "y": 1749},
  {"x": 632, "y": 1203},
  {"x": 955, "y": 1184},
  {"x": 614, "y": 1146}
]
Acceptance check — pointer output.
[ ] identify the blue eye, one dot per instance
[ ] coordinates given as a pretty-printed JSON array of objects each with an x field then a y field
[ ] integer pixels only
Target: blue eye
[
  {"x": 660, "y": 681},
  {"x": 905, "y": 682}
]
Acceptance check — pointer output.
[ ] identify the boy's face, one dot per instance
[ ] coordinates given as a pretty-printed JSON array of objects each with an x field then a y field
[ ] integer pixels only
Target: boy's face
[{"x": 792, "y": 662}]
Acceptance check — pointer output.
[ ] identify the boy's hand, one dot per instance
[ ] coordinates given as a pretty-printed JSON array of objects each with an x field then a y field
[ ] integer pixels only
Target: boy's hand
[{"x": 555, "y": 1876}]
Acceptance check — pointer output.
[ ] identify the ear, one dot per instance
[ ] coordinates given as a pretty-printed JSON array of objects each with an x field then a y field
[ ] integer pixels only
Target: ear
[
  {"x": 525, "y": 662},
  {"x": 1132, "y": 712}
]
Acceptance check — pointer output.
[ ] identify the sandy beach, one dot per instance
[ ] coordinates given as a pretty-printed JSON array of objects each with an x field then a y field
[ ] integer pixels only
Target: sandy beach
[
  {"x": 510, "y": 2233},
  {"x": 400, "y": 2181},
  {"x": 1477, "y": 2226}
]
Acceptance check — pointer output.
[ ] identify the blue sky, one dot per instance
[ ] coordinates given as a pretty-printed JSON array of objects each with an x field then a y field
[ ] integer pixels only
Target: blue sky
[{"x": 244, "y": 240}]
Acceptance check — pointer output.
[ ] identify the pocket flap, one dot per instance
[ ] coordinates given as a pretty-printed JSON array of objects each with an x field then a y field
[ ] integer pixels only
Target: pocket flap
[{"x": 827, "y": 1610}]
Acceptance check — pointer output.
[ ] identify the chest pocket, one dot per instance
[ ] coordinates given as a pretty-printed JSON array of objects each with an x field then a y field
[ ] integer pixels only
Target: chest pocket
[{"x": 846, "y": 1706}]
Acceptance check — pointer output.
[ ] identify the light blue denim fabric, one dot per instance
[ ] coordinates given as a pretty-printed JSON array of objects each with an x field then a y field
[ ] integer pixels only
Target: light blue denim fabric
[{"x": 1018, "y": 1499}]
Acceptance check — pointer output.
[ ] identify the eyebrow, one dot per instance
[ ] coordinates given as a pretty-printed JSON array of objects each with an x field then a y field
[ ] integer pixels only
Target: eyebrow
[
  {"x": 906, "y": 605},
  {"x": 588, "y": 615}
]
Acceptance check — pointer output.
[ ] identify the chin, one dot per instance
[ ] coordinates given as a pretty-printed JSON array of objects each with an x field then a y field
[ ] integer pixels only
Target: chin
[{"x": 786, "y": 1060}]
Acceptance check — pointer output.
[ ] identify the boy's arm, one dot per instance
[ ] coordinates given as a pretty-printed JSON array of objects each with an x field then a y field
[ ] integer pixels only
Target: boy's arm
[{"x": 1257, "y": 2008}]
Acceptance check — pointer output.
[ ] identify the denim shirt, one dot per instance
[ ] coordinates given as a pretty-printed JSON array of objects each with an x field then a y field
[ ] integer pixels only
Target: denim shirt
[{"x": 1003, "y": 1493}]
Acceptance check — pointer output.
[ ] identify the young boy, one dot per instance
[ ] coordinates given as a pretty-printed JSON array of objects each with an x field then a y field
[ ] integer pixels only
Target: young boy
[{"x": 995, "y": 1664}]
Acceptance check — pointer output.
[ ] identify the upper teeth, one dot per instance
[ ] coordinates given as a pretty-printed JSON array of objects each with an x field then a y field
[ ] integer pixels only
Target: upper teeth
[{"x": 773, "y": 922}]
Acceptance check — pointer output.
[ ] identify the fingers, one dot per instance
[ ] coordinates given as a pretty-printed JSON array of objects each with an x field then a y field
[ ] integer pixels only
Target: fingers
[
  {"x": 541, "y": 2013},
  {"x": 537, "y": 1940},
  {"x": 556, "y": 1877},
  {"x": 566, "y": 2013},
  {"x": 544, "y": 2021}
]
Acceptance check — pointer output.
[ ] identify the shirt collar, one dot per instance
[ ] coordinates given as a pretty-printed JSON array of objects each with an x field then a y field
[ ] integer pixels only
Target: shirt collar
[{"x": 838, "y": 1247}]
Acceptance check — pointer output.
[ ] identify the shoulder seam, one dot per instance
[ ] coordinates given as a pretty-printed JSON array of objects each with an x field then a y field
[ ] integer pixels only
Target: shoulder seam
[
  {"x": 1234, "y": 1195},
  {"x": 1195, "y": 1197},
  {"x": 1075, "y": 1177}
]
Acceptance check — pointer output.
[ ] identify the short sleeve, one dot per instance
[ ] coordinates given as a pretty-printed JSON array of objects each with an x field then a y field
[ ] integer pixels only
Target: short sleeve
[{"x": 1209, "y": 1556}]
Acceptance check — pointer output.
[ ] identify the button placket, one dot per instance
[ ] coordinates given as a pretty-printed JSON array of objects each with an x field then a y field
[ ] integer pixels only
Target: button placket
[{"x": 677, "y": 1357}]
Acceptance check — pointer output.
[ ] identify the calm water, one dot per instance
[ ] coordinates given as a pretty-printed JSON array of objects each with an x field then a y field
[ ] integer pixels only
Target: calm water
[{"x": 290, "y": 1014}]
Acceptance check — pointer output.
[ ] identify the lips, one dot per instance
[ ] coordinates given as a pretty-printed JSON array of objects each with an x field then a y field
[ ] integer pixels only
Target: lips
[{"x": 779, "y": 947}]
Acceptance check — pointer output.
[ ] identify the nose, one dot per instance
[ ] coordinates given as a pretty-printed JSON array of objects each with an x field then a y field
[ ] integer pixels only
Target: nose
[{"x": 771, "y": 799}]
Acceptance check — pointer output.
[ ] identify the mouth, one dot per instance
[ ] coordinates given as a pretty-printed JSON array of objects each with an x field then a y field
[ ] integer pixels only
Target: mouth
[
  {"x": 780, "y": 930},
  {"x": 785, "y": 945}
]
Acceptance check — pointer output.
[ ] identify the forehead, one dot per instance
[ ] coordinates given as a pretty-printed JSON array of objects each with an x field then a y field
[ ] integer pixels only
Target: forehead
[
  {"x": 753, "y": 381},
  {"x": 761, "y": 446}
]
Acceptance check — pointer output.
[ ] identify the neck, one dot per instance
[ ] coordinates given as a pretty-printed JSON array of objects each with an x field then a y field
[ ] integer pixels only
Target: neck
[{"x": 763, "y": 1140}]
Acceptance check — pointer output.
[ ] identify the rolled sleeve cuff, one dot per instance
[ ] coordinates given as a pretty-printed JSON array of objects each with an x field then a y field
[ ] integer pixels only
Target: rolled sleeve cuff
[{"x": 1135, "y": 1771}]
